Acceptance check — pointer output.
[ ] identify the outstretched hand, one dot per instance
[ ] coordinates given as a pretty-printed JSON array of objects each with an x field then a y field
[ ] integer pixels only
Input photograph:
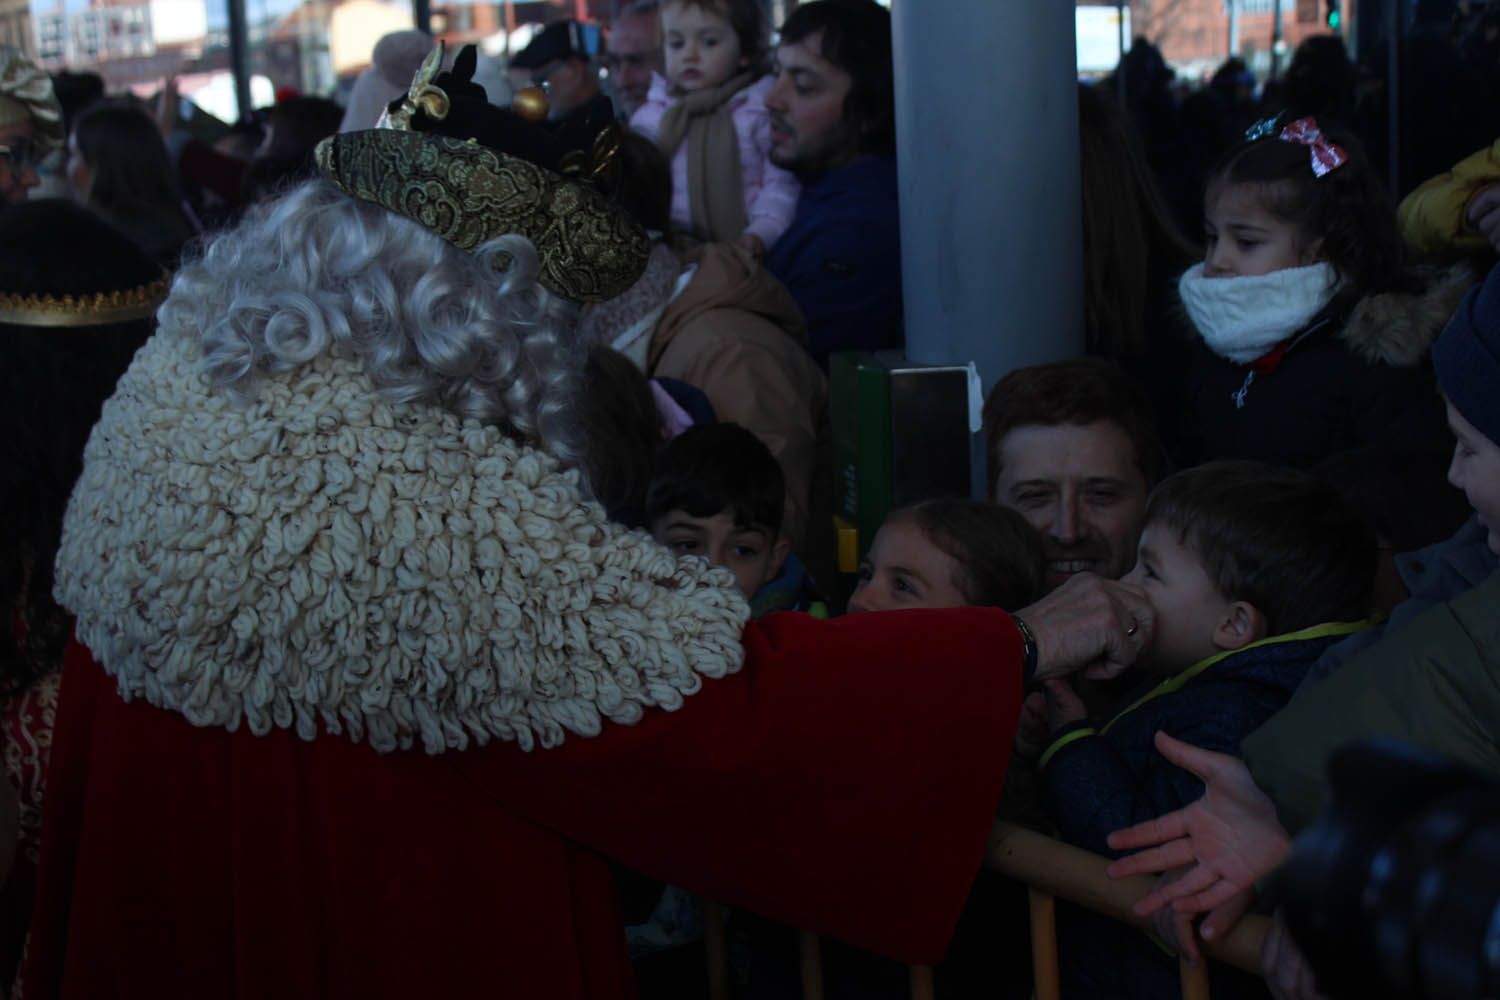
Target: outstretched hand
[
  {"x": 1064, "y": 707},
  {"x": 1228, "y": 840},
  {"x": 1091, "y": 624},
  {"x": 1174, "y": 928}
]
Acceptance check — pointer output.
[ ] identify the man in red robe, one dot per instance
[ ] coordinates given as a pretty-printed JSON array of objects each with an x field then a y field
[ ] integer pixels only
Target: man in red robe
[{"x": 365, "y": 688}]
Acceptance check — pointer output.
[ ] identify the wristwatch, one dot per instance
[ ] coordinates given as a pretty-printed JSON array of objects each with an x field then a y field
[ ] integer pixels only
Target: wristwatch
[{"x": 1028, "y": 648}]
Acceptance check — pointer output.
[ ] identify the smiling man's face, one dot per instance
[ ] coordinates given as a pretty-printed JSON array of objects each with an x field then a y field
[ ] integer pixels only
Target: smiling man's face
[{"x": 1081, "y": 487}]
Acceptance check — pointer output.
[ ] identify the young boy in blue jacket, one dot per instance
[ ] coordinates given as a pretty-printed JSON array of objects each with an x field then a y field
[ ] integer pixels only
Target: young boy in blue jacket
[{"x": 1254, "y": 572}]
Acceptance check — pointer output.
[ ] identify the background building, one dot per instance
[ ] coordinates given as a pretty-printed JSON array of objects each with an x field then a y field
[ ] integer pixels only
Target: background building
[
  {"x": 1195, "y": 36},
  {"x": 16, "y": 29}
]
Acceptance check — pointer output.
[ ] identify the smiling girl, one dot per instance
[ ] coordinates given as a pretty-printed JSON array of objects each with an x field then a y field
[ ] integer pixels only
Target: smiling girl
[
  {"x": 951, "y": 553},
  {"x": 1313, "y": 335},
  {"x": 709, "y": 115}
]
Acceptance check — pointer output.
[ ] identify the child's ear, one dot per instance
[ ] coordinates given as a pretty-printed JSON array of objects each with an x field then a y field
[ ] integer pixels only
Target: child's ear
[
  {"x": 1313, "y": 252},
  {"x": 1241, "y": 625},
  {"x": 779, "y": 552}
]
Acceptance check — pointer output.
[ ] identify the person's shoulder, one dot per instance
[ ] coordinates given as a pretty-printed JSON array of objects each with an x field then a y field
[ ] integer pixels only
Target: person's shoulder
[
  {"x": 734, "y": 303},
  {"x": 647, "y": 117},
  {"x": 659, "y": 91},
  {"x": 747, "y": 109},
  {"x": 1479, "y": 612},
  {"x": 869, "y": 177},
  {"x": 1219, "y": 693},
  {"x": 862, "y": 194},
  {"x": 857, "y": 204},
  {"x": 752, "y": 97},
  {"x": 1397, "y": 328}
]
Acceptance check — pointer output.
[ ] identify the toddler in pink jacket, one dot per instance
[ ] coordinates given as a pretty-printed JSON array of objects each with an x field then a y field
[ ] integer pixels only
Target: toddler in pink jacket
[{"x": 709, "y": 116}]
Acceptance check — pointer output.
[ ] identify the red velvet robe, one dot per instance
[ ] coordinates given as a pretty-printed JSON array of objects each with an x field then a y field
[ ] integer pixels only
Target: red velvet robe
[{"x": 843, "y": 781}]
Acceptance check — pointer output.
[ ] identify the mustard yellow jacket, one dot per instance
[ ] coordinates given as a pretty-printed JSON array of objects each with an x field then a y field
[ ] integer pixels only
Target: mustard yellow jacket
[{"x": 1435, "y": 217}]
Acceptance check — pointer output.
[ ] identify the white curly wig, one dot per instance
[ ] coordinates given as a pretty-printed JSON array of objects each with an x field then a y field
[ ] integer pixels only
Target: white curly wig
[{"x": 318, "y": 271}]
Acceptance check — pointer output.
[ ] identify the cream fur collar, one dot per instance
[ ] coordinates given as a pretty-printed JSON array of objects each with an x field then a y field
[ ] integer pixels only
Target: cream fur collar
[
  {"x": 323, "y": 558},
  {"x": 1243, "y": 318}
]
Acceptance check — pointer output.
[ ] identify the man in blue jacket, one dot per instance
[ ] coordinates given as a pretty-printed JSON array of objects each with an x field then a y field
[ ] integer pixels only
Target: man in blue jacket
[{"x": 833, "y": 125}]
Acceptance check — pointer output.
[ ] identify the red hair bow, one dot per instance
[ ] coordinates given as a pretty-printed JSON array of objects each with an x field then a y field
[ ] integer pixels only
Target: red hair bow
[{"x": 1326, "y": 156}]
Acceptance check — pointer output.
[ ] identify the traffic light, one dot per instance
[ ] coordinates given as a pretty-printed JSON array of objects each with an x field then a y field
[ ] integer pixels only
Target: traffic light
[{"x": 1333, "y": 18}]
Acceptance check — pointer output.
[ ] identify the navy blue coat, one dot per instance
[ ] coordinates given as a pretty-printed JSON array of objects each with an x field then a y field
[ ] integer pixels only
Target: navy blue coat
[
  {"x": 1099, "y": 778},
  {"x": 841, "y": 258},
  {"x": 1357, "y": 376}
]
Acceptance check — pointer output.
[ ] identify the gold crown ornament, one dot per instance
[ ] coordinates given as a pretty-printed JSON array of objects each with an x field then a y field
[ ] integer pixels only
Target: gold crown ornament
[
  {"x": 531, "y": 104},
  {"x": 98, "y": 309},
  {"x": 591, "y": 250}
]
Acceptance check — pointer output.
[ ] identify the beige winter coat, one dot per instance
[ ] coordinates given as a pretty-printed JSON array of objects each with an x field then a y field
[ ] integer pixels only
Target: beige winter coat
[{"x": 736, "y": 334}]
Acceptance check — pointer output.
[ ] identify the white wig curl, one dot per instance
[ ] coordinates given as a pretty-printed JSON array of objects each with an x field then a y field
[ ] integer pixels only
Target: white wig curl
[{"x": 319, "y": 271}]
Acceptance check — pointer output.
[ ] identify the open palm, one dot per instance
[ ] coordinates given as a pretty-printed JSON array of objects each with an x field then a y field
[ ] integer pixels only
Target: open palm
[{"x": 1227, "y": 840}]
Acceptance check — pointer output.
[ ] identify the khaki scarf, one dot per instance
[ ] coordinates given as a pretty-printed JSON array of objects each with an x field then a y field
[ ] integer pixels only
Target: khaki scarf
[{"x": 716, "y": 191}]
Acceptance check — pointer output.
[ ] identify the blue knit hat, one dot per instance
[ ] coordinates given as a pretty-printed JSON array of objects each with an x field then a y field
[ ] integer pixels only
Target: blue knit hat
[{"x": 1467, "y": 357}]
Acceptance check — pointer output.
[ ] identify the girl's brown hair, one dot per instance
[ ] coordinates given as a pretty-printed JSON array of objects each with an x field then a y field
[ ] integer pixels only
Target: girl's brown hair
[
  {"x": 1001, "y": 562},
  {"x": 1348, "y": 209},
  {"x": 1129, "y": 235}
]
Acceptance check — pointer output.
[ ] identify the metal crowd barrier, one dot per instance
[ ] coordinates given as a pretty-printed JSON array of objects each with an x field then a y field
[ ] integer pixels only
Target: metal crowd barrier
[{"x": 1051, "y": 870}]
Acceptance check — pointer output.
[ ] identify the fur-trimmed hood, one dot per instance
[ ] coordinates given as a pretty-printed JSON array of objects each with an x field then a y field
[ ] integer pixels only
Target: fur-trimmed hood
[
  {"x": 1398, "y": 328},
  {"x": 323, "y": 559}
]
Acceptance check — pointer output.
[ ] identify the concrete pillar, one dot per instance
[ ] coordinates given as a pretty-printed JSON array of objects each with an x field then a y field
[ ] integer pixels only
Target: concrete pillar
[
  {"x": 239, "y": 56},
  {"x": 991, "y": 210}
]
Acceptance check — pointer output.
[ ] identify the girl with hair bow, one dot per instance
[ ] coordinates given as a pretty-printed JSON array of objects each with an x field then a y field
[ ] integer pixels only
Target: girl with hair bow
[{"x": 1312, "y": 331}]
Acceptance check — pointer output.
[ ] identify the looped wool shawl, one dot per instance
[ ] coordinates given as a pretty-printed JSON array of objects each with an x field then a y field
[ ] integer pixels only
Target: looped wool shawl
[{"x": 323, "y": 559}]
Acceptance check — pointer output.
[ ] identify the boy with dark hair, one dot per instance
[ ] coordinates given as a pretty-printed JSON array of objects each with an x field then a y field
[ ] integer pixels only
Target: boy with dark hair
[
  {"x": 718, "y": 493},
  {"x": 1254, "y": 571}
]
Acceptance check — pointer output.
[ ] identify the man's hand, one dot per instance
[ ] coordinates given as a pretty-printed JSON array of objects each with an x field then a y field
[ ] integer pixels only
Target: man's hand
[
  {"x": 751, "y": 243},
  {"x": 1031, "y": 732},
  {"x": 1484, "y": 214},
  {"x": 1228, "y": 840},
  {"x": 1064, "y": 707},
  {"x": 1175, "y": 928},
  {"x": 1091, "y": 624}
]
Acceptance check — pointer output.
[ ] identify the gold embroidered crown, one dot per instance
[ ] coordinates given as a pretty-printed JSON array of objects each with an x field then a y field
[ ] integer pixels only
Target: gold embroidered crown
[
  {"x": 98, "y": 309},
  {"x": 468, "y": 193}
]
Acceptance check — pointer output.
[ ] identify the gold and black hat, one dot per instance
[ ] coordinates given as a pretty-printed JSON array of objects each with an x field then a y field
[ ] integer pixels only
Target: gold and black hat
[{"x": 447, "y": 159}]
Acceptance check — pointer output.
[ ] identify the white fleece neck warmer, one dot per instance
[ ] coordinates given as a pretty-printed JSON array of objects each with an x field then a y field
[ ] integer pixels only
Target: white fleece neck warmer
[
  {"x": 1242, "y": 318},
  {"x": 321, "y": 559}
]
